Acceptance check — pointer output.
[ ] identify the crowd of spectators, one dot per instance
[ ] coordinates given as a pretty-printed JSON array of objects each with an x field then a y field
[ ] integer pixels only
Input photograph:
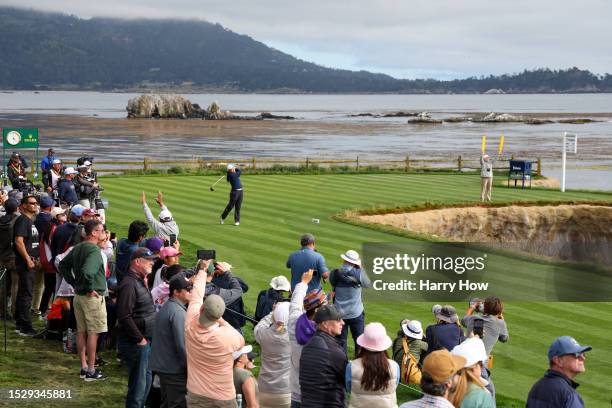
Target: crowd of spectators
[{"x": 180, "y": 330}]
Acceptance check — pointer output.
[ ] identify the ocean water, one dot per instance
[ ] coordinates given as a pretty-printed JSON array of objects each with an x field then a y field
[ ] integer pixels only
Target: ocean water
[{"x": 384, "y": 138}]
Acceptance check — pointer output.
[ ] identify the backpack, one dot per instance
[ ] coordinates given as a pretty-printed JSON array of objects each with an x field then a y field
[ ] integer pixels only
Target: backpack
[
  {"x": 265, "y": 302},
  {"x": 410, "y": 373},
  {"x": 7, "y": 223}
]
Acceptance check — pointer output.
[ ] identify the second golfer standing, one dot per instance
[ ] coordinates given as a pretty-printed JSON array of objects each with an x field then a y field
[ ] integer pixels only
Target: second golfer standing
[{"x": 235, "y": 198}]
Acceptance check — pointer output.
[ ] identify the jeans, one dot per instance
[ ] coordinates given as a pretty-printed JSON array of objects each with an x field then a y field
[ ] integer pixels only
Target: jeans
[
  {"x": 295, "y": 404},
  {"x": 356, "y": 326},
  {"x": 136, "y": 359},
  {"x": 24, "y": 296},
  {"x": 235, "y": 201}
]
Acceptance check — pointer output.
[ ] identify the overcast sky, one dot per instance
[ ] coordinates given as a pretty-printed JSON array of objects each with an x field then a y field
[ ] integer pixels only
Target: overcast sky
[{"x": 441, "y": 39}]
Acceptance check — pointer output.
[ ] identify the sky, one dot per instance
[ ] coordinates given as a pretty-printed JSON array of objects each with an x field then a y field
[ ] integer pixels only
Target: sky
[{"x": 441, "y": 39}]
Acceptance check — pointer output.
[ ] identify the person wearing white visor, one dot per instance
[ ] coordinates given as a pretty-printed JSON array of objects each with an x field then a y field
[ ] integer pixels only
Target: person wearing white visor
[
  {"x": 470, "y": 391},
  {"x": 244, "y": 381},
  {"x": 347, "y": 282}
]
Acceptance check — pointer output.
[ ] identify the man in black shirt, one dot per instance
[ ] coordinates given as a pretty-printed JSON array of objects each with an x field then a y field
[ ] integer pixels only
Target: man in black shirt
[
  {"x": 26, "y": 252},
  {"x": 235, "y": 198}
]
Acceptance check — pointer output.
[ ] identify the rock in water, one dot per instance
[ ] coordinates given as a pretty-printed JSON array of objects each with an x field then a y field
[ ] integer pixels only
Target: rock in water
[
  {"x": 161, "y": 106},
  {"x": 424, "y": 118}
]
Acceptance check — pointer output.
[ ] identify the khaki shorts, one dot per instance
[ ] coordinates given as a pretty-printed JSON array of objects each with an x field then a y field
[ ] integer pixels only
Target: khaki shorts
[
  {"x": 200, "y": 401},
  {"x": 90, "y": 313}
]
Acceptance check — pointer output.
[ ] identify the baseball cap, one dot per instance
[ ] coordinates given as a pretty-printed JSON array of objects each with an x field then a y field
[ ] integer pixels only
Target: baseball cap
[
  {"x": 472, "y": 349},
  {"x": 441, "y": 365},
  {"x": 46, "y": 202},
  {"x": 77, "y": 210},
  {"x": 165, "y": 215},
  {"x": 245, "y": 350},
  {"x": 90, "y": 213},
  {"x": 154, "y": 244},
  {"x": 143, "y": 253},
  {"x": 281, "y": 313},
  {"x": 565, "y": 345},
  {"x": 70, "y": 170},
  {"x": 327, "y": 312},
  {"x": 179, "y": 282},
  {"x": 280, "y": 283},
  {"x": 11, "y": 205},
  {"x": 167, "y": 251},
  {"x": 230, "y": 166},
  {"x": 214, "y": 307},
  {"x": 57, "y": 211},
  {"x": 56, "y": 161}
]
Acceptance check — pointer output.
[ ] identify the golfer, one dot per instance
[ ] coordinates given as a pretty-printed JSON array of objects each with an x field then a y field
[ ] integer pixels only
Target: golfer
[
  {"x": 235, "y": 198},
  {"x": 486, "y": 177}
]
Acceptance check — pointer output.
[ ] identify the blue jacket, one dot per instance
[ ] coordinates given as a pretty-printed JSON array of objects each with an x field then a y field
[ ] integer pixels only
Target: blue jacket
[
  {"x": 234, "y": 179},
  {"x": 46, "y": 163},
  {"x": 67, "y": 192},
  {"x": 554, "y": 390},
  {"x": 347, "y": 283}
]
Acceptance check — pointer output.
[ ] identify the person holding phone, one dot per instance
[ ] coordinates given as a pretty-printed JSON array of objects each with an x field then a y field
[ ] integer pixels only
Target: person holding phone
[{"x": 165, "y": 226}]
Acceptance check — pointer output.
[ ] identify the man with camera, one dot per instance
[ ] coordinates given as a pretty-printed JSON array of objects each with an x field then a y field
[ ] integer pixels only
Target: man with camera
[
  {"x": 222, "y": 271},
  {"x": 86, "y": 185},
  {"x": 52, "y": 177},
  {"x": 16, "y": 172},
  {"x": 66, "y": 190}
]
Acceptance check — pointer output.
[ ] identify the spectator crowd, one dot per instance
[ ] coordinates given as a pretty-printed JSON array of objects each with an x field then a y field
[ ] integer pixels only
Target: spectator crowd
[{"x": 179, "y": 330}]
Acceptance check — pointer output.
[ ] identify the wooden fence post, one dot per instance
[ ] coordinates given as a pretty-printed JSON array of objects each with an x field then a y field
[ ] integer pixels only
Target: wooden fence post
[
  {"x": 307, "y": 163},
  {"x": 201, "y": 164},
  {"x": 459, "y": 164},
  {"x": 407, "y": 167},
  {"x": 145, "y": 164},
  {"x": 539, "y": 173},
  {"x": 357, "y": 163},
  {"x": 253, "y": 163}
]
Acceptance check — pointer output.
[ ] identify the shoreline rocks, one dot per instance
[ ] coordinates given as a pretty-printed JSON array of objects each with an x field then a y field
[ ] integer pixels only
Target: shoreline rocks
[{"x": 424, "y": 118}]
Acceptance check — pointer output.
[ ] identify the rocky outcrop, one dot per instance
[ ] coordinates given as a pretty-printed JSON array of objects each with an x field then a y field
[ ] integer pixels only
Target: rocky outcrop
[
  {"x": 568, "y": 232},
  {"x": 161, "y": 106},
  {"x": 268, "y": 115},
  {"x": 424, "y": 118},
  {"x": 536, "y": 121},
  {"x": 578, "y": 121},
  {"x": 503, "y": 117}
]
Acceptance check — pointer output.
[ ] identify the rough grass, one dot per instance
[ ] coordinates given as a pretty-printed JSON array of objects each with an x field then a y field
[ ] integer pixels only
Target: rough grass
[{"x": 277, "y": 209}]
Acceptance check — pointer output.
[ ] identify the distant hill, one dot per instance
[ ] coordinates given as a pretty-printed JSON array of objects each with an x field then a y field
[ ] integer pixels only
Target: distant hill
[{"x": 55, "y": 51}]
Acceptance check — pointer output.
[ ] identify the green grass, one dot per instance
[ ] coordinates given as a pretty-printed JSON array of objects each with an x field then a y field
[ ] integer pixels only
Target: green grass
[{"x": 277, "y": 209}]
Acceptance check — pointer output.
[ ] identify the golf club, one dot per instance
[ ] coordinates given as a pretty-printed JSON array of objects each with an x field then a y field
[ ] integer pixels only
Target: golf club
[{"x": 220, "y": 178}]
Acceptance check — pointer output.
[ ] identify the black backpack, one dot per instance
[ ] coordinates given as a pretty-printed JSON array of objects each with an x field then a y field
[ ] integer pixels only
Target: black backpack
[
  {"x": 265, "y": 302},
  {"x": 6, "y": 237}
]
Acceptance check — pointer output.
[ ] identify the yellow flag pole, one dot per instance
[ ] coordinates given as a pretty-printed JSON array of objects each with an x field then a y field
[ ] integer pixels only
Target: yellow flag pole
[
  {"x": 484, "y": 143},
  {"x": 501, "y": 145}
]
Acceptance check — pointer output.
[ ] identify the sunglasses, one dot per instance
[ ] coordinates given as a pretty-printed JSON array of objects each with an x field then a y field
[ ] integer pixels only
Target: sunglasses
[
  {"x": 32, "y": 202},
  {"x": 575, "y": 355}
]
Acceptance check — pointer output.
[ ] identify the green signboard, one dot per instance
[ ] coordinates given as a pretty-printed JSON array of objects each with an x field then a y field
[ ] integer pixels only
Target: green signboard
[{"x": 19, "y": 138}]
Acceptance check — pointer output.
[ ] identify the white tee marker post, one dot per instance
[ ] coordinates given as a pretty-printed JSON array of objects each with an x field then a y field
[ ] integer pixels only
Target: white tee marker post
[{"x": 570, "y": 144}]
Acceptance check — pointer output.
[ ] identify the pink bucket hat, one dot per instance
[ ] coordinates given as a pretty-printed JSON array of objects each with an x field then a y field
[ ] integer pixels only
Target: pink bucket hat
[{"x": 374, "y": 338}]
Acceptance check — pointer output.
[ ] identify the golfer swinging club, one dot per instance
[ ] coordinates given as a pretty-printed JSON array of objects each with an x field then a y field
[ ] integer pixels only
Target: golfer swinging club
[{"x": 235, "y": 198}]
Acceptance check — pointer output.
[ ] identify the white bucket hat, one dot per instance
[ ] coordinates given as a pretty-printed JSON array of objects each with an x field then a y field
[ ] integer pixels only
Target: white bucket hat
[
  {"x": 280, "y": 283},
  {"x": 352, "y": 257},
  {"x": 413, "y": 329},
  {"x": 472, "y": 349}
]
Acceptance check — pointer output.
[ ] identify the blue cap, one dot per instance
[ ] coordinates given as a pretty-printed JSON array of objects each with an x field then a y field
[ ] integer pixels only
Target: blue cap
[
  {"x": 46, "y": 202},
  {"x": 77, "y": 210},
  {"x": 565, "y": 345}
]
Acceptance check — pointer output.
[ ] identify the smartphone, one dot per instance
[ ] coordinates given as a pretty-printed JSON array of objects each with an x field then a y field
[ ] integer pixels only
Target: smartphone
[
  {"x": 172, "y": 239},
  {"x": 206, "y": 254},
  {"x": 113, "y": 235},
  {"x": 166, "y": 243}
]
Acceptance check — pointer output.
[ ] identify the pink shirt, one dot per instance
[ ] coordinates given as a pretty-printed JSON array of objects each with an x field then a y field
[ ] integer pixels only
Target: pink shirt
[{"x": 209, "y": 351}]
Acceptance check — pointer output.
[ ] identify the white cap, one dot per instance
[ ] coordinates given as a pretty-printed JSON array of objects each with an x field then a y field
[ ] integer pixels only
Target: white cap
[
  {"x": 280, "y": 283},
  {"x": 230, "y": 166},
  {"x": 165, "y": 215},
  {"x": 57, "y": 211},
  {"x": 87, "y": 163},
  {"x": 70, "y": 170},
  {"x": 281, "y": 312},
  {"x": 245, "y": 350},
  {"x": 352, "y": 257},
  {"x": 56, "y": 161},
  {"x": 412, "y": 328},
  {"x": 472, "y": 349}
]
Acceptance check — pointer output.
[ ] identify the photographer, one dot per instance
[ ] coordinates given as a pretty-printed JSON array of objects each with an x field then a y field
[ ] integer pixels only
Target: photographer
[
  {"x": 15, "y": 171},
  {"x": 234, "y": 314},
  {"x": 86, "y": 184},
  {"x": 52, "y": 177},
  {"x": 219, "y": 273},
  {"x": 66, "y": 189}
]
